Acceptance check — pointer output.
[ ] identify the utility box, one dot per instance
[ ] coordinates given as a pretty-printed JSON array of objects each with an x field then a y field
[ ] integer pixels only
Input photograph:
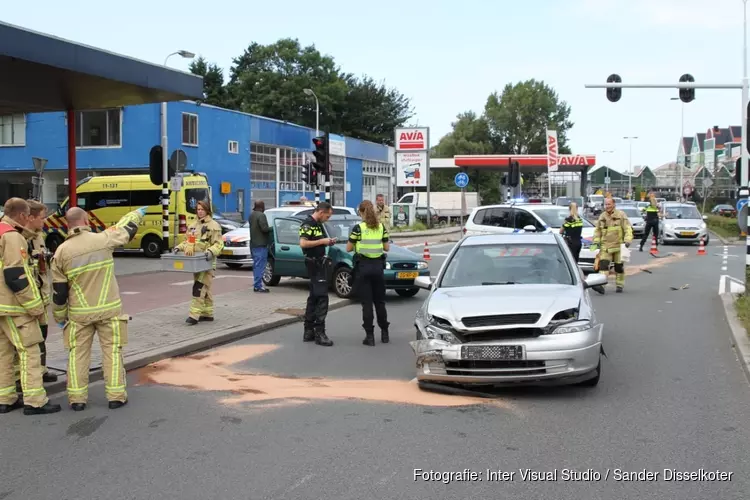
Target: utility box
[{"x": 181, "y": 263}]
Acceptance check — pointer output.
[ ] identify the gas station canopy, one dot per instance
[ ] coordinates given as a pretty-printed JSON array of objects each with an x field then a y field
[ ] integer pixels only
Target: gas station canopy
[{"x": 566, "y": 163}]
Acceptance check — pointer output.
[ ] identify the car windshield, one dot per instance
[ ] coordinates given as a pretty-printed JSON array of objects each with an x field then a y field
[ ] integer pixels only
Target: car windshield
[
  {"x": 555, "y": 217},
  {"x": 723, "y": 207},
  {"x": 631, "y": 211},
  {"x": 682, "y": 213},
  {"x": 340, "y": 228},
  {"x": 596, "y": 199},
  {"x": 507, "y": 264}
]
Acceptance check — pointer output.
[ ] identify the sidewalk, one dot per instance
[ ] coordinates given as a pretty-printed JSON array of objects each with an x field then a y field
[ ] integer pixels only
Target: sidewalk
[{"x": 161, "y": 332}]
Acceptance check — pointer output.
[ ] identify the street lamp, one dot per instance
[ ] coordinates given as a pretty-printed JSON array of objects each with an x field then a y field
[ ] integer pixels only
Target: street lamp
[
  {"x": 630, "y": 168},
  {"x": 682, "y": 145},
  {"x": 317, "y": 110},
  {"x": 165, "y": 159}
]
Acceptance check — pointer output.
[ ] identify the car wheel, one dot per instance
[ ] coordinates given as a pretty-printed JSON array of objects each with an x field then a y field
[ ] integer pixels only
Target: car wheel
[
  {"x": 151, "y": 246},
  {"x": 407, "y": 292},
  {"x": 232, "y": 265},
  {"x": 270, "y": 279},
  {"x": 341, "y": 279},
  {"x": 53, "y": 241},
  {"x": 593, "y": 382}
]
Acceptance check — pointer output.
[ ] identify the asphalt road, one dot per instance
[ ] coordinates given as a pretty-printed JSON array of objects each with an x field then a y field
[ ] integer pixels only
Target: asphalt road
[{"x": 273, "y": 417}]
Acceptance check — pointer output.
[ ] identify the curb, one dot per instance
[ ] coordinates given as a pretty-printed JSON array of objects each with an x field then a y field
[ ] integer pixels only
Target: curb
[
  {"x": 740, "y": 339},
  {"x": 417, "y": 234},
  {"x": 191, "y": 346},
  {"x": 723, "y": 240}
]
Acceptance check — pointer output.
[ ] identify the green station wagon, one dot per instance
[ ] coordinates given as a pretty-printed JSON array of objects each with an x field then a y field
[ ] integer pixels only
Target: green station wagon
[{"x": 285, "y": 257}]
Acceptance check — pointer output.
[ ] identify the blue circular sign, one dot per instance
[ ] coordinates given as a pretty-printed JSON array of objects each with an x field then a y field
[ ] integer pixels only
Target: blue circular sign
[
  {"x": 462, "y": 179},
  {"x": 741, "y": 203}
]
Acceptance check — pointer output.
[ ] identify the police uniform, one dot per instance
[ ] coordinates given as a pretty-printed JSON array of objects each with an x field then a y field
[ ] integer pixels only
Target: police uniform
[
  {"x": 369, "y": 255},
  {"x": 652, "y": 222},
  {"x": 572, "y": 229},
  {"x": 317, "y": 271}
]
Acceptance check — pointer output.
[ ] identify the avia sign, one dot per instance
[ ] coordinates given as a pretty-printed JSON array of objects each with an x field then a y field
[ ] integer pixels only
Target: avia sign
[
  {"x": 552, "y": 150},
  {"x": 411, "y": 139},
  {"x": 572, "y": 160}
]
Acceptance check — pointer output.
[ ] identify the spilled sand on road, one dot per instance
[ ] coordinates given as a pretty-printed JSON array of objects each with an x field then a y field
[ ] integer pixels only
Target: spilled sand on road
[
  {"x": 631, "y": 269},
  {"x": 211, "y": 372}
]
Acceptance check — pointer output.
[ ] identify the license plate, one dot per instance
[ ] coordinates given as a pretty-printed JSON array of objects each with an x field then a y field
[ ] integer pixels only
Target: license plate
[
  {"x": 407, "y": 276},
  {"x": 687, "y": 233},
  {"x": 227, "y": 252},
  {"x": 507, "y": 352}
]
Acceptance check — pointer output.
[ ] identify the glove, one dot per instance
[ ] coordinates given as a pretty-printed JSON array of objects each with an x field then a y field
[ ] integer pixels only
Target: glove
[
  {"x": 627, "y": 244},
  {"x": 594, "y": 247},
  {"x": 189, "y": 251},
  {"x": 209, "y": 256},
  {"x": 175, "y": 250},
  {"x": 142, "y": 211}
]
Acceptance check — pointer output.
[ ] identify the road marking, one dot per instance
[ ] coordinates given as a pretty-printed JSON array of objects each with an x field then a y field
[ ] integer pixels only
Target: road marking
[
  {"x": 221, "y": 276},
  {"x": 129, "y": 293},
  {"x": 438, "y": 254},
  {"x": 723, "y": 268},
  {"x": 728, "y": 284}
]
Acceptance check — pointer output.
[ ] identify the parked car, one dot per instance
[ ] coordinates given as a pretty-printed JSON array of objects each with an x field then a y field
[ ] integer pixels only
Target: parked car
[
  {"x": 595, "y": 204},
  {"x": 421, "y": 215},
  {"x": 542, "y": 217},
  {"x": 565, "y": 201},
  {"x": 285, "y": 258},
  {"x": 642, "y": 206},
  {"x": 227, "y": 225},
  {"x": 682, "y": 223},
  {"x": 506, "y": 310},
  {"x": 236, "y": 251},
  {"x": 725, "y": 210},
  {"x": 636, "y": 219}
]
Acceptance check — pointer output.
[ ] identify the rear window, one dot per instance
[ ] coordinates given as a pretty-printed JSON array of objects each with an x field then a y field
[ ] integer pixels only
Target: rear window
[
  {"x": 508, "y": 264},
  {"x": 555, "y": 217},
  {"x": 193, "y": 196}
]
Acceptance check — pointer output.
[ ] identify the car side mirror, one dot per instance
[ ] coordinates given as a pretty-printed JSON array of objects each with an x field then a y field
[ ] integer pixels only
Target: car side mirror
[
  {"x": 594, "y": 279},
  {"x": 705, "y": 217},
  {"x": 425, "y": 282},
  {"x": 530, "y": 228}
]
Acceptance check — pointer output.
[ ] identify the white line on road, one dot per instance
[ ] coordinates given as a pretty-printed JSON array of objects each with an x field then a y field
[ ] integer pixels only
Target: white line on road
[
  {"x": 221, "y": 276},
  {"x": 723, "y": 268},
  {"x": 129, "y": 293}
]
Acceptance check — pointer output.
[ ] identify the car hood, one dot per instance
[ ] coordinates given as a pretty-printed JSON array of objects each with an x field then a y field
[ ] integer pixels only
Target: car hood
[
  {"x": 396, "y": 253},
  {"x": 684, "y": 222},
  {"x": 239, "y": 234},
  {"x": 635, "y": 220},
  {"x": 452, "y": 304}
]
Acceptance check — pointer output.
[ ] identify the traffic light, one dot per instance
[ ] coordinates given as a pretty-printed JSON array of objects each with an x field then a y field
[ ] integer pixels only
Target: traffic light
[
  {"x": 155, "y": 167},
  {"x": 504, "y": 180},
  {"x": 515, "y": 174},
  {"x": 738, "y": 171},
  {"x": 321, "y": 153},
  {"x": 614, "y": 94},
  {"x": 687, "y": 95},
  {"x": 306, "y": 173}
]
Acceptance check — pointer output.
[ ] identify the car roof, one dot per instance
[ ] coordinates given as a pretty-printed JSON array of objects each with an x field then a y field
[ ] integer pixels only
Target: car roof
[
  {"x": 521, "y": 204},
  {"x": 504, "y": 239}
]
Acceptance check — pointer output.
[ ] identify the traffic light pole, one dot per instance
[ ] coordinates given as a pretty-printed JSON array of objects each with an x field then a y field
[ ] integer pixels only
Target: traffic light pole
[
  {"x": 328, "y": 168},
  {"x": 743, "y": 192}
]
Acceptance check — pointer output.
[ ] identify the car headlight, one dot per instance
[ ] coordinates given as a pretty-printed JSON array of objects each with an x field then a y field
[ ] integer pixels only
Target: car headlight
[
  {"x": 387, "y": 265},
  {"x": 668, "y": 226},
  {"x": 425, "y": 265},
  {"x": 439, "y": 329},
  {"x": 703, "y": 225},
  {"x": 572, "y": 327}
]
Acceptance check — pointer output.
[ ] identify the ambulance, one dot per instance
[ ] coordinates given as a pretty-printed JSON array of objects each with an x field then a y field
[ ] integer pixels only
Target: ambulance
[{"x": 108, "y": 198}]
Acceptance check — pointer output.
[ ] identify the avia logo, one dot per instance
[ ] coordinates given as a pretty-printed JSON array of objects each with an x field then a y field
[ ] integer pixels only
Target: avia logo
[
  {"x": 411, "y": 139},
  {"x": 552, "y": 150},
  {"x": 573, "y": 160}
]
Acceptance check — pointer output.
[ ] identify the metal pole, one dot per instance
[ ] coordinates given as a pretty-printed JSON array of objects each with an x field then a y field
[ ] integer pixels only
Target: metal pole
[
  {"x": 682, "y": 140},
  {"x": 427, "y": 175},
  {"x": 679, "y": 85},
  {"x": 164, "y": 178},
  {"x": 328, "y": 168},
  {"x": 317, "y": 116},
  {"x": 744, "y": 136}
]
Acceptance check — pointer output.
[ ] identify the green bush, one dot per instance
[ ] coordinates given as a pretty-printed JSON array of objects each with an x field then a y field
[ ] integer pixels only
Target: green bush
[
  {"x": 742, "y": 306},
  {"x": 726, "y": 227}
]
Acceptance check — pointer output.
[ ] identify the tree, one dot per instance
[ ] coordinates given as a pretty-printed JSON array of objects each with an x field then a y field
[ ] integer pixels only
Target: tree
[
  {"x": 214, "y": 92},
  {"x": 269, "y": 80}
]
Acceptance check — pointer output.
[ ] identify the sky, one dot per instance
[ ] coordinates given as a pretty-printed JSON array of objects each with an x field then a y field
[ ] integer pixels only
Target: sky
[{"x": 449, "y": 56}]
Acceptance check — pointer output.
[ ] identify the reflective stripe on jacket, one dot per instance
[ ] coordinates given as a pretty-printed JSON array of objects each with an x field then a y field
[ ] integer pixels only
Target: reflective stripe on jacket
[
  {"x": 369, "y": 242},
  {"x": 207, "y": 234},
  {"x": 612, "y": 230},
  {"x": 19, "y": 294}
]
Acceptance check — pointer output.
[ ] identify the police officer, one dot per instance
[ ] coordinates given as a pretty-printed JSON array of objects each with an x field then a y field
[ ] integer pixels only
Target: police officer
[
  {"x": 652, "y": 220},
  {"x": 369, "y": 241},
  {"x": 571, "y": 231},
  {"x": 313, "y": 242}
]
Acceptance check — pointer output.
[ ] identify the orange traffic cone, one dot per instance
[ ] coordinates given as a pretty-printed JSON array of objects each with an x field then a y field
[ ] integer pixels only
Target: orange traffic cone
[
  {"x": 701, "y": 248},
  {"x": 654, "y": 250},
  {"x": 426, "y": 253}
]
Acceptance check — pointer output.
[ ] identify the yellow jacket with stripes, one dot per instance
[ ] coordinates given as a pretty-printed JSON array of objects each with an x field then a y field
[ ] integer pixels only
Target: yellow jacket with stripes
[
  {"x": 19, "y": 292},
  {"x": 84, "y": 287}
]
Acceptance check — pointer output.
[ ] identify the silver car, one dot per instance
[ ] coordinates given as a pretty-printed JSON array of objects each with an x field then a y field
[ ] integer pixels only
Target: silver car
[
  {"x": 636, "y": 219},
  {"x": 682, "y": 223},
  {"x": 508, "y": 310}
]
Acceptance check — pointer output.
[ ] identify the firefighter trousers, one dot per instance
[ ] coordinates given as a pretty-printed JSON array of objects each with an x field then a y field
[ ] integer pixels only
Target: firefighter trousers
[
  {"x": 371, "y": 291},
  {"x": 613, "y": 256},
  {"x": 42, "y": 347},
  {"x": 202, "y": 303},
  {"x": 78, "y": 339},
  {"x": 20, "y": 336}
]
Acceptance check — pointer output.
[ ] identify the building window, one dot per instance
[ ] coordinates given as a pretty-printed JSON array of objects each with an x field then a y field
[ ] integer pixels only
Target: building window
[
  {"x": 189, "y": 129},
  {"x": 99, "y": 129},
  {"x": 234, "y": 147},
  {"x": 263, "y": 174},
  {"x": 13, "y": 130}
]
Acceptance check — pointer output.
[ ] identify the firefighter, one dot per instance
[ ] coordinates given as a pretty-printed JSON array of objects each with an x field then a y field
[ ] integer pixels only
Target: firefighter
[
  {"x": 612, "y": 230},
  {"x": 652, "y": 220},
  {"x": 383, "y": 211},
  {"x": 20, "y": 309},
  {"x": 313, "y": 241},
  {"x": 369, "y": 241},
  {"x": 86, "y": 300},
  {"x": 203, "y": 236}
]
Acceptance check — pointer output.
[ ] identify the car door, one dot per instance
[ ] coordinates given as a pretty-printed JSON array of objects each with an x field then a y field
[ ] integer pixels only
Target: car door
[
  {"x": 524, "y": 218},
  {"x": 496, "y": 220},
  {"x": 288, "y": 257}
]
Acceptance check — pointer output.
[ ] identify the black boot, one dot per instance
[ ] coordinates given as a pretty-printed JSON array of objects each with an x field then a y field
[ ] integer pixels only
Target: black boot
[
  {"x": 113, "y": 405},
  {"x": 618, "y": 289},
  {"x": 42, "y": 410},
  {"x": 369, "y": 338},
  {"x": 384, "y": 338},
  {"x": 78, "y": 406},
  {"x": 191, "y": 321},
  {"x": 321, "y": 338},
  {"x": 49, "y": 377},
  {"x": 309, "y": 334},
  {"x": 9, "y": 408}
]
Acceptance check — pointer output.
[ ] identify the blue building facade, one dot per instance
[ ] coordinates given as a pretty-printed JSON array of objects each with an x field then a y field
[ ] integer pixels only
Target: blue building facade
[{"x": 259, "y": 158}]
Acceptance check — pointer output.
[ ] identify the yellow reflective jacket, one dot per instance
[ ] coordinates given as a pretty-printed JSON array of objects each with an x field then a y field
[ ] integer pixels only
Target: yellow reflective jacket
[
  {"x": 612, "y": 230},
  {"x": 19, "y": 293},
  {"x": 204, "y": 236},
  {"x": 84, "y": 287},
  {"x": 39, "y": 259}
]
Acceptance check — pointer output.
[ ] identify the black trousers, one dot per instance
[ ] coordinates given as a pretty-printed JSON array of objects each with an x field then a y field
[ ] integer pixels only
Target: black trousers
[
  {"x": 575, "y": 248},
  {"x": 43, "y": 345},
  {"x": 317, "y": 300},
  {"x": 650, "y": 224},
  {"x": 371, "y": 291}
]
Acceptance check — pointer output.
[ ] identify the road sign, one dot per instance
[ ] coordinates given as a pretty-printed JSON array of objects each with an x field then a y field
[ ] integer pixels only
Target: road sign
[
  {"x": 606, "y": 180},
  {"x": 462, "y": 179},
  {"x": 178, "y": 161},
  {"x": 741, "y": 203},
  {"x": 411, "y": 169},
  {"x": 411, "y": 139},
  {"x": 175, "y": 184},
  {"x": 707, "y": 182},
  {"x": 39, "y": 164},
  {"x": 552, "y": 150},
  {"x": 742, "y": 218}
]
